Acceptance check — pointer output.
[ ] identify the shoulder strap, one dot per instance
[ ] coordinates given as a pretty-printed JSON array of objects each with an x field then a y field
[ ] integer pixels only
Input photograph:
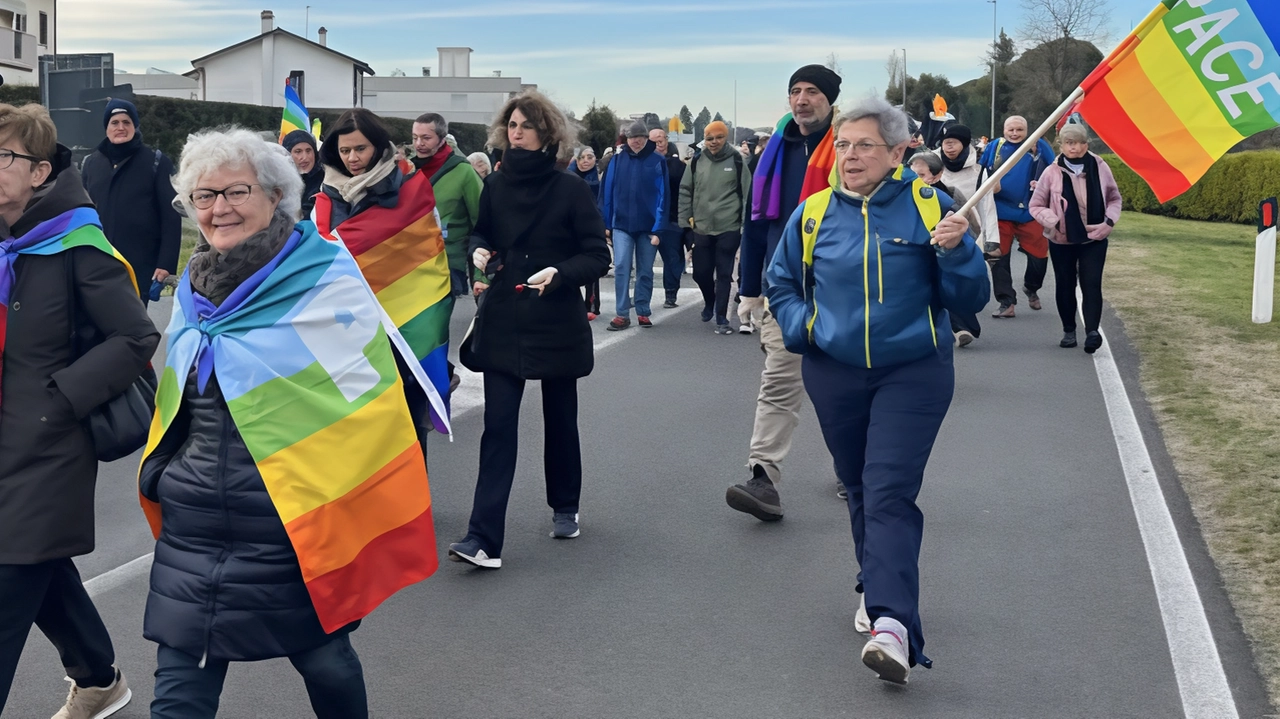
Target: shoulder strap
[
  {"x": 450, "y": 162},
  {"x": 815, "y": 208},
  {"x": 927, "y": 203},
  {"x": 737, "y": 165},
  {"x": 693, "y": 170}
]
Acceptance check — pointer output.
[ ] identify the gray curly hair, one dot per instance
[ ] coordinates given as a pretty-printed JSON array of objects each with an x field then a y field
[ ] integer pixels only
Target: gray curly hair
[
  {"x": 895, "y": 128},
  {"x": 235, "y": 147}
]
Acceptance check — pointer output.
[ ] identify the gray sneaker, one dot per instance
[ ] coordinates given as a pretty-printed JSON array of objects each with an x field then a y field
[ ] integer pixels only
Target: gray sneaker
[
  {"x": 758, "y": 497},
  {"x": 95, "y": 702},
  {"x": 566, "y": 525}
]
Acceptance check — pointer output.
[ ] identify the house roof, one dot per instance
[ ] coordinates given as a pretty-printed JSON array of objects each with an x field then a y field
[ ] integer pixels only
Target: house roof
[{"x": 358, "y": 63}]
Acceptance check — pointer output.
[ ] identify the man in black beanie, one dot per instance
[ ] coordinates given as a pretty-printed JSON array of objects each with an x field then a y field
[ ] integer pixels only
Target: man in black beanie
[
  {"x": 302, "y": 148},
  {"x": 129, "y": 183}
]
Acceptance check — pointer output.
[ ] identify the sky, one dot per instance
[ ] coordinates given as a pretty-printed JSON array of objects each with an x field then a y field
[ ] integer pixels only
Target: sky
[{"x": 633, "y": 56}]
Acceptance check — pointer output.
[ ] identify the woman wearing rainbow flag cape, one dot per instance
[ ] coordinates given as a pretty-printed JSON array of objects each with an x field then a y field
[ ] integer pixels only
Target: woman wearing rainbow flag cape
[
  {"x": 861, "y": 286},
  {"x": 283, "y": 479},
  {"x": 56, "y": 269}
]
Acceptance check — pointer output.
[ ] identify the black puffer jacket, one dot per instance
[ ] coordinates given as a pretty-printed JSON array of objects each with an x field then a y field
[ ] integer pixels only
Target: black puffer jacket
[
  {"x": 523, "y": 334},
  {"x": 131, "y": 188},
  {"x": 226, "y": 580}
]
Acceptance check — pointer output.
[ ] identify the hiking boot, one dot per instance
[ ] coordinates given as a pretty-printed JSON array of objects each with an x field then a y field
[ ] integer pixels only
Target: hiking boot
[
  {"x": 565, "y": 525},
  {"x": 886, "y": 653},
  {"x": 645, "y": 322},
  {"x": 95, "y": 702},
  {"x": 1005, "y": 312},
  {"x": 964, "y": 338},
  {"x": 862, "y": 620},
  {"x": 723, "y": 328},
  {"x": 1033, "y": 300},
  {"x": 707, "y": 313},
  {"x": 619, "y": 323},
  {"x": 1092, "y": 341},
  {"x": 1068, "y": 340},
  {"x": 468, "y": 550},
  {"x": 758, "y": 497}
]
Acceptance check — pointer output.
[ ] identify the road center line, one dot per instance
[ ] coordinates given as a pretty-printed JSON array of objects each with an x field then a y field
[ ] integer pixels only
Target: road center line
[{"x": 1202, "y": 682}]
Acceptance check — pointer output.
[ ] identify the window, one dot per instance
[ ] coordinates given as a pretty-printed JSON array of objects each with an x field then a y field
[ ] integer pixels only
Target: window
[
  {"x": 20, "y": 23},
  {"x": 44, "y": 28},
  {"x": 297, "y": 79}
]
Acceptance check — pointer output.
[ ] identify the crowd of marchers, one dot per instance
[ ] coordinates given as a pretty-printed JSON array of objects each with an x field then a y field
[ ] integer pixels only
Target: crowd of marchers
[{"x": 843, "y": 240}]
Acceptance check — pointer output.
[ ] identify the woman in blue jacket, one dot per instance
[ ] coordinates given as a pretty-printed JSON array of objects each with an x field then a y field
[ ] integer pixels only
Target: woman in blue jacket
[{"x": 861, "y": 285}]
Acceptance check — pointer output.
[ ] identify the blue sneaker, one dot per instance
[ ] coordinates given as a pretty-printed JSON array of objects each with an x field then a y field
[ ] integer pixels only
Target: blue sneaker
[
  {"x": 566, "y": 525},
  {"x": 468, "y": 550}
]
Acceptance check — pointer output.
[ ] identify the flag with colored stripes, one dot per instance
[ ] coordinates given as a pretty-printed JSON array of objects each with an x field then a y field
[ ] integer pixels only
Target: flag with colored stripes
[
  {"x": 295, "y": 116},
  {"x": 1195, "y": 78},
  {"x": 305, "y": 363},
  {"x": 401, "y": 252}
]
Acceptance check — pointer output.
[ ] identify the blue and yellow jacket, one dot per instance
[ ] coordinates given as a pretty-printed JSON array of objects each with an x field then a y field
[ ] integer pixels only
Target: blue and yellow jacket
[{"x": 875, "y": 292}]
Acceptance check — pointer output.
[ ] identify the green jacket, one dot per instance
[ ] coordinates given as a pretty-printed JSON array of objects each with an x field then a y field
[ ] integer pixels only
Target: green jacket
[
  {"x": 717, "y": 199},
  {"x": 458, "y": 200}
]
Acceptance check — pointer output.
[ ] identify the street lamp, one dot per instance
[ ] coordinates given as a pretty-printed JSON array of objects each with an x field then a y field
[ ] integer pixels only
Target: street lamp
[{"x": 994, "y": 42}]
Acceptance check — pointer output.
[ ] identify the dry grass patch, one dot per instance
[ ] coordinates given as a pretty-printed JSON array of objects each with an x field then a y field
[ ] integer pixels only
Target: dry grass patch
[{"x": 1184, "y": 292}]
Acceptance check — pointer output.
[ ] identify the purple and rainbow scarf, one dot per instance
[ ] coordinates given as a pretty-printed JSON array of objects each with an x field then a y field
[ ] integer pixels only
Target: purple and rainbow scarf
[{"x": 766, "y": 184}]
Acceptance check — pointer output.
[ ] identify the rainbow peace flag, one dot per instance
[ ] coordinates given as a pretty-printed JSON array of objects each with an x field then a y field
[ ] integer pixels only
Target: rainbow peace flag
[
  {"x": 1190, "y": 82},
  {"x": 295, "y": 116},
  {"x": 304, "y": 361},
  {"x": 401, "y": 252}
]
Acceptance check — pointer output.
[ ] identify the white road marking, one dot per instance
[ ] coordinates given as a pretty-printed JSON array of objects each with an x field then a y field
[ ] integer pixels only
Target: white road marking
[
  {"x": 1202, "y": 682},
  {"x": 119, "y": 576}
]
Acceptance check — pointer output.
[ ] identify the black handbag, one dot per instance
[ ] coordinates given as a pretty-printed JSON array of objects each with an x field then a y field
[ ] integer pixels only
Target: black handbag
[{"x": 120, "y": 426}]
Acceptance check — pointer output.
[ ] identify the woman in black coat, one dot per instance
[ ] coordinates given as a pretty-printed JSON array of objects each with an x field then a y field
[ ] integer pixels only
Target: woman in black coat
[
  {"x": 541, "y": 238},
  {"x": 48, "y": 465}
]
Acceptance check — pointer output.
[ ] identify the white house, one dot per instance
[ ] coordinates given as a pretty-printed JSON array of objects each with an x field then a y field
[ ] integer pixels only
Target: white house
[
  {"x": 161, "y": 84},
  {"x": 27, "y": 31},
  {"x": 254, "y": 71},
  {"x": 454, "y": 93}
]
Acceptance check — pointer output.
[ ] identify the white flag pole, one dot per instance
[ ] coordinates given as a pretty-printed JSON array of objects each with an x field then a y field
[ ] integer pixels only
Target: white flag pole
[{"x": 1264, "y": 264}]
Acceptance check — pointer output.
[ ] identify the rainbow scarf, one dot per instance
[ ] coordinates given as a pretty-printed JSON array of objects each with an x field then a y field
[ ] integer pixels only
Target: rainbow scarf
[
  {"x": 303, "y": 359},
  {"x": 766, "y": 185},
  {"x": 80, "y": 227},
  {"x": 400, "y": 250}
]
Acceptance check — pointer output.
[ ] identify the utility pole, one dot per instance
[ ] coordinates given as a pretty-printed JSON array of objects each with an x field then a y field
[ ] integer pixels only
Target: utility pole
[
  {"x": 307, "y": 32},
  {"x": 995, "y": 40},
  {"x": 735, "y": 109}
]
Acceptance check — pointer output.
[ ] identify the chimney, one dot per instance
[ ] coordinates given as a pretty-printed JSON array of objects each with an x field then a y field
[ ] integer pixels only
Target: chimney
[
  {"x": 268, "y": 21},
  {"x": 426, "y": 71},
  {"x": 497, "y": 73},
  {"x": 324, "y": 37}
]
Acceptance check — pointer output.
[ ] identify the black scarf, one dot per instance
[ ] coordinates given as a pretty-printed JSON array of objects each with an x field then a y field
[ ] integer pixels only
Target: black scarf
[
  {"x": 957, "y": 165},
  {"x": 525, "y": 165},
  {"x": 1096, "y": 209},
  {"x": 119, "y": 153}
]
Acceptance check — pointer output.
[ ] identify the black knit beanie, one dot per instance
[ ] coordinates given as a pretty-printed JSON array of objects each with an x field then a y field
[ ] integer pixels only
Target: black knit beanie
[{"x": 822, "y": 77}]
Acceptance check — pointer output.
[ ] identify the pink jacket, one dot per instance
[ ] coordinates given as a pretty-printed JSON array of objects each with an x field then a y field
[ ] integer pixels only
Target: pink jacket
[{"x": 1049, "y": 208}]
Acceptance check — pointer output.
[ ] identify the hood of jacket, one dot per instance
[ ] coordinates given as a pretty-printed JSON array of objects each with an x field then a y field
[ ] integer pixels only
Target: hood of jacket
[{"x": 648, "y": 149}]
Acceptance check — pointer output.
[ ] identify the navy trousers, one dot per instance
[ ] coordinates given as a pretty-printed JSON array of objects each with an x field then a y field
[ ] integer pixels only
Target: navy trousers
[
  {"x": 671, "y": 250},
  {"x": 331, "y": 672},
  {"x": 880, "y": 425}
]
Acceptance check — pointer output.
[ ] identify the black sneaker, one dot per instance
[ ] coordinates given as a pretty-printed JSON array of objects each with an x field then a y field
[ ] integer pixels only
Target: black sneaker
[
  {"x": 758, "y": 497},
  {"x": 723, "y": 328},
  {"x": 671, "y": 301},
  {"x": 565, "y": 525},
  {"x": 1068, "y": 340},
  {"x": 468, "y": 550},
  {"x": 1092, "y": 342}
]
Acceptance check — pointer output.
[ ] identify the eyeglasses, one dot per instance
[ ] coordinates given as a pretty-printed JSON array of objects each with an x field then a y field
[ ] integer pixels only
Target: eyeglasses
[
  {"x": 235, "y": 196},
  {"x": 7, "y": 157},
  {"x": 843, "y": 147}
]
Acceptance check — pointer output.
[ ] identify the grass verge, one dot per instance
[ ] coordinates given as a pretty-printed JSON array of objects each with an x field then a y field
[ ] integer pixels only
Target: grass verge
[{"x": 1184, "y": 290}]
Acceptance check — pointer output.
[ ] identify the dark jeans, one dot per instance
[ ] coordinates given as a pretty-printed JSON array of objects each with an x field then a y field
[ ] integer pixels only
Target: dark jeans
[
  {"x": 51, "y": 596},
  {"x": 1002, "y": 277},
  {"x": 331, "y": 672},
  {"x": 880, "y": 425},
  {"x": 1079, "y": 263},
  {"x": 562, "y": 455},
  {"x": 713, "y": 268},
  {"x": 966, "y": 322},
  {"x": 671, "y": 249}
]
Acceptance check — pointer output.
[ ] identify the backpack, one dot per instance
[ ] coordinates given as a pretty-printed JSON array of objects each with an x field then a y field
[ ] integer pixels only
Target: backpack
[{"x": 737, "y": 166}]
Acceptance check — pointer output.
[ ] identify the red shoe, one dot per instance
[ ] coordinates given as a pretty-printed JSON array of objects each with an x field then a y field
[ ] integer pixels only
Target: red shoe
[
  {"x": 618, "y": 323},
  {"x": 644, "y": 321},
  {"x": 591, "y": 316}
]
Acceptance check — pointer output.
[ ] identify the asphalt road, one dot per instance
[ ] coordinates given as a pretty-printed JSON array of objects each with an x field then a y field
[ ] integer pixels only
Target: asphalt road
[{"x": 1037, "y": 597}]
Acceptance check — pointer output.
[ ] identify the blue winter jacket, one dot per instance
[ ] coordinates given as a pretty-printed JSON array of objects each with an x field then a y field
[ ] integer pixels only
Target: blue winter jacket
[
  {"x": 634, "y": 196},
  {"x": 1013, "y": 201},
  {"x": 879, "y": 303}
]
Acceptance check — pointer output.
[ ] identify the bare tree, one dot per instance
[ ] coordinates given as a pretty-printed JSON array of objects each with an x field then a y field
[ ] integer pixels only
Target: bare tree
[
  {"x": 1049, "y": 20},
  {"x": 833, "y": 63},
  {"x": 894, "y": 69}
]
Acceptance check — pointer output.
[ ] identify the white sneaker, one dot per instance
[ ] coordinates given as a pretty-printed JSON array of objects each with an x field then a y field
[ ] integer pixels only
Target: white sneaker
[
  {"x": 862, "y": 620},
  {"x": 964, "y": 338},
  {"x": 95, "y": 702},
  {"x": 886, "y": 653},
  {"x": 746, "y": 328}
]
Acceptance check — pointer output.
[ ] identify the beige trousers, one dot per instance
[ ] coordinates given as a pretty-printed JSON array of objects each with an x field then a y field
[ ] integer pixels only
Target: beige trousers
[{"x": 778, "y": 406}]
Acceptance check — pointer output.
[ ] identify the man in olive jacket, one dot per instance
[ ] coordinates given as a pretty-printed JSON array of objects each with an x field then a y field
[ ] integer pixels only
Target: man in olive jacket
[{"x": 713, "y": 198}]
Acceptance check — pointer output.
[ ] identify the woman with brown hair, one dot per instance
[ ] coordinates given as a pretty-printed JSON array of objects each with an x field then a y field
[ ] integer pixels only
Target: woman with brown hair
[{"x": 541, "y": 239}]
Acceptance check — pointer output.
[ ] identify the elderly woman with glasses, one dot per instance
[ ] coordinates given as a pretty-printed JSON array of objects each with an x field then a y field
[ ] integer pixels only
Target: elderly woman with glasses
[
  {"x": 261, "y": 482},
  {"x": 861, "y": 285}
]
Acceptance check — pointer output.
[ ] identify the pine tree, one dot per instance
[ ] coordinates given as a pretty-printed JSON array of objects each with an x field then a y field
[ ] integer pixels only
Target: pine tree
[{"x": 686, "y": 118}]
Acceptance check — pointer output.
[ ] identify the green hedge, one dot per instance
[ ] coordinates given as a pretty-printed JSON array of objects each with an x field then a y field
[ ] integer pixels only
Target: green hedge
[
  {"x": 1229, "y": 192},
  {"x": 19, "y": 95}
]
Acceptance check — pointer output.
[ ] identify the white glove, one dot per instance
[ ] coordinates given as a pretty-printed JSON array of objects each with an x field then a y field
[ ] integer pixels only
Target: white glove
[
  {"x": 540, "y": 280},
  {"x": 480, "y": 258},
  {"x": 750, "y": 305}
]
